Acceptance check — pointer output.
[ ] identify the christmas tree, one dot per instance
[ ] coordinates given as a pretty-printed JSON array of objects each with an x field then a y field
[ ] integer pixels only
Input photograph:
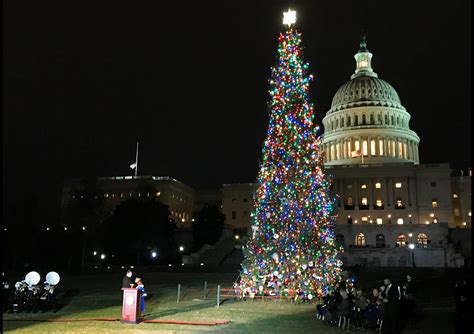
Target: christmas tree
[{"x": 291, "y": 250}]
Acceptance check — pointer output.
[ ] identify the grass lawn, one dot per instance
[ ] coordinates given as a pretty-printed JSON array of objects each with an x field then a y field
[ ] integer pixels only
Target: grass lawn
[{"x": 99, "y": 295}]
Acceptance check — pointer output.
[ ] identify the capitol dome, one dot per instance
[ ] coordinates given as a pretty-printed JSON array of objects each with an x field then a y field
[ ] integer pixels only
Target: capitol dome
[
  {"x": 365, "y": 90},
  {"x": 367, "y": 122}
]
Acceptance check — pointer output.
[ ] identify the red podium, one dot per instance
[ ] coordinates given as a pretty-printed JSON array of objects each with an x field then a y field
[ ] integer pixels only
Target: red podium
[{"x": 131, "y": 306}]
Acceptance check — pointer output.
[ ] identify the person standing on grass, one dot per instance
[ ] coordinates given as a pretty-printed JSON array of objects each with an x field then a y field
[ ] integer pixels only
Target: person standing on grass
[
  {"x": 127, "y": 281},
  {"x": 391, "y": 309},
  {"x": 141, "y": 287}
]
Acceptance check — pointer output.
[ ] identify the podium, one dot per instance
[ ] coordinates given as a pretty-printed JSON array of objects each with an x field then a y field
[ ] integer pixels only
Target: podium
[{"x": 131, "y": 306}]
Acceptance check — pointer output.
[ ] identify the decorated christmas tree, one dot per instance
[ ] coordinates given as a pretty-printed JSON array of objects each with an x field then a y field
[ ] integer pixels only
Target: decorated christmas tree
[{"x": 291, "y": 249}]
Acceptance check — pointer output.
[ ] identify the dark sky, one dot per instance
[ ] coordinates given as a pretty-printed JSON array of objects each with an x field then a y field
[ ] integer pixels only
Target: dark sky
[{"x": 82, "y": 81}]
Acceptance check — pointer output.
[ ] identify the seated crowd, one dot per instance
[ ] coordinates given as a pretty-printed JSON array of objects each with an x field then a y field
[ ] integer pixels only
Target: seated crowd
[{"x": 388, "y": 307}]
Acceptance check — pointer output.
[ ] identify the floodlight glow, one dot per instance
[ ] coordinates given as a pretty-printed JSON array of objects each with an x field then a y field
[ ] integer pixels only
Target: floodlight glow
[
  {"x": 181, "y": 248},
  {"x": 169, "y": 265},
  {"x": 65, "y": 228},
  {"x": 410, "y": 234},
  {"x": 95, "y": 253},
  {"x": 411, "y": 246},
  {"x": 47, "y": 228},
  {"x": 83, "y": 228},
  {"x": 153, "y": 254},
  {"x": 289, "y": 17},
  {"x": 202, "y": 264},
  {"x": 102, "y": 256},
  {"x": 237, "y": 237}
]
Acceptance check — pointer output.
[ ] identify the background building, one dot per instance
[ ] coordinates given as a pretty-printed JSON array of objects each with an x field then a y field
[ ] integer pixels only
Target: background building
[{"x": 179, "y": 197}]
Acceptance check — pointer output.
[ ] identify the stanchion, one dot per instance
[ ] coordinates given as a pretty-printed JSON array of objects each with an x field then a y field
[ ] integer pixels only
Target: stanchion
[
  {"x": 205, "y": 290},
  {"x": 218, "y": 295},
  {"x": 179, "y": 292}
]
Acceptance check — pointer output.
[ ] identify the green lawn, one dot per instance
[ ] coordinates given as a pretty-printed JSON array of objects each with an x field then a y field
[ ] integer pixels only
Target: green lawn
[{"x": 100, "y": 296}]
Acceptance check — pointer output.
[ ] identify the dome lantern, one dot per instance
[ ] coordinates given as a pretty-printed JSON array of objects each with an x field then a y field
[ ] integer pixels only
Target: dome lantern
[{"x": 363, "y": 61}]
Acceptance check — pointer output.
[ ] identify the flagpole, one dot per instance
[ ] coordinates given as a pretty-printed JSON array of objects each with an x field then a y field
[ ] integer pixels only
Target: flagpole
[{"x": 136, "y": 162}]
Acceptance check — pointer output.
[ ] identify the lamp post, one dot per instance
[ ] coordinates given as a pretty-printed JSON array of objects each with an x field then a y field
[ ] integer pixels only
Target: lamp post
[{"x": 411, "y": 246}]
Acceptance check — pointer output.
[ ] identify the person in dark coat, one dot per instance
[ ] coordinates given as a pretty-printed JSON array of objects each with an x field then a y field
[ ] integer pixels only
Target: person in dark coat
[
  {"x": 344, "y": 307},
  {"x": 391, "y": 309},
  {"x": 127, "y": 281}
]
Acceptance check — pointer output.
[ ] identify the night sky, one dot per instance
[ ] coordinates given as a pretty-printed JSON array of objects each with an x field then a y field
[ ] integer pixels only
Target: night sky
[{"x": 82, "y": 82}]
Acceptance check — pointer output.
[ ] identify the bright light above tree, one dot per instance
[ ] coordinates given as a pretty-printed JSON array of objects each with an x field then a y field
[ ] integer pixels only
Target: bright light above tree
[{"x": 289, "y": 17}]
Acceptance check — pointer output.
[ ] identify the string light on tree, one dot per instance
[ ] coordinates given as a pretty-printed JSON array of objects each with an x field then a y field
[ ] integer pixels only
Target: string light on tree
[{"x": 292, "y": 249}]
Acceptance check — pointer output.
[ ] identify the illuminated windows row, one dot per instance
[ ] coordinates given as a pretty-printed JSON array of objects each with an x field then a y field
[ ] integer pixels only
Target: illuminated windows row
[
  {"x": 394, "y": 148},
  {"x": 400, "y": 241},
  {"x": 378, "y": 185}
]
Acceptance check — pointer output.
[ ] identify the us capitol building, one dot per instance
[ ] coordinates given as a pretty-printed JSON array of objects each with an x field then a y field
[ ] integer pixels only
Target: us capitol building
[{"x": 392, "y": 210}]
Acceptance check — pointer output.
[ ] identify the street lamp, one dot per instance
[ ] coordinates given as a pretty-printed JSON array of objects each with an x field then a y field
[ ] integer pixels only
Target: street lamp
[
  {"x": 181, "y": 248},
  {"x": 237, "y": 237},
  {"x": 95, "y": 253},
  {"x": 154, "y": 254},
  {"x": 102, "y": 256}
]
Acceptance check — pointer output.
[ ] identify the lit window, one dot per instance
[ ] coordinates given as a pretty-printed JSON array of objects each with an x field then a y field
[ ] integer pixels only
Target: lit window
[
  {"x": 378, "y": 202},
  {"x": 158, "y": 194},
  {"x": 363, "y": 186},
  {"x": 364, "y": 148},
  {"x": 400, "y": 221},
  {"x": 349, "y": 186},
  {"x": 349, "y": 201},
  {"x": 422, "y": 240},
  {"x": 455, "y": 195},
  {"x": 357, "y": 145},
  {"x": 399, "y": 203},
  {"x": 360, "y": 239},
  {"x": 398, "y": 185},
  {"x": 401, "y": 240},
  {"x": 372, "y": 147},
  {"x": 469, "y": 213},
  {"x": 364, "y": 219},
  {"x": 378, "y": 185},
  {"x": 379, "y": 221},
  {"x": 434, "y": 203},
  {"x": 364, "y": 201},
  {"x": 363, "y": 63},
  {"x": 348, "y": 143},
  {"x": 464, "y": 223},
  {"x": 107, "y": 195},
  {"x": 381, "y": 147},
  {"x": 400, "y": 152}
]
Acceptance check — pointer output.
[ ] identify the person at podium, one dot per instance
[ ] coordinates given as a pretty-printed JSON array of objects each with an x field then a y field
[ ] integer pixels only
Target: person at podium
[{"x": 127, "y": 281}]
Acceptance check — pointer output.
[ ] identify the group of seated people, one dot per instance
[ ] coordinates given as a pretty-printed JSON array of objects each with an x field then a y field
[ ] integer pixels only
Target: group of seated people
[{"x": 343, "y": 300}]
